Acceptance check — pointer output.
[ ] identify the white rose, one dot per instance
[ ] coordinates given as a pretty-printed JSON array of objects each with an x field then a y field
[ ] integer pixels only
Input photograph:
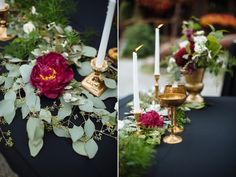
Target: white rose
[
  {"x": 33, "y": 10},
  {"x": 28, "y": 27},
  {"x": 200, "y": 44}
]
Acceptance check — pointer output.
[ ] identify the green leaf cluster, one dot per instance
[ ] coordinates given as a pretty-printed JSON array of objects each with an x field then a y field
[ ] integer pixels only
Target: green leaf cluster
[{"x": 135, "y": 156}]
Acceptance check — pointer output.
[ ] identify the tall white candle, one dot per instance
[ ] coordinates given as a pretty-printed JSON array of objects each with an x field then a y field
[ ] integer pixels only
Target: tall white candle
[
  {"x": 2, "y": 4},
  {"x": 135, "y": 83},
  {"x": 157, "y": 52},
  {"x": 106, "y": 33}
]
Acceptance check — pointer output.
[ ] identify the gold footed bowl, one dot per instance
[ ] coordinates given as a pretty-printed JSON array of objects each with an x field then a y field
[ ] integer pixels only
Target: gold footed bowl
[
  {"x": 194, "y": 86},
  {"x": 172, "y": 139},
  {"x": 172, "y": 100}
]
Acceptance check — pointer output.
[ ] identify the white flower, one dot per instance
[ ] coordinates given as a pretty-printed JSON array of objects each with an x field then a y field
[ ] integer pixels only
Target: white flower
[
  {"x": 200, "y": 44},
  {"x": 28, "y": 27},
  {"x": 73, "y": 99},
  {"x": 67, "y": 97},
  {"x": 33, "y": 10},
  {"x": 200, "y": 33},
  {"x": 183, "y": 44},
  {"x": 121, "y": 124}
]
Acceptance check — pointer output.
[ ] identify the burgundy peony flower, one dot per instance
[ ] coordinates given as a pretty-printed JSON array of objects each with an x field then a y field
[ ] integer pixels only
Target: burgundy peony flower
[
  {"x": 151, "y": 119},
  {"x": 180, "y": 61},
  {"x": 51, "y": 74}
]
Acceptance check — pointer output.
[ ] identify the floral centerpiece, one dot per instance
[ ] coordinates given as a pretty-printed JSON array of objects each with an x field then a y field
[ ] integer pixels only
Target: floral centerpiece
[
  {"x": 199, "y": 50},
  {"x": 46, "y": 62},
  {"x": 196, "y": 52}
]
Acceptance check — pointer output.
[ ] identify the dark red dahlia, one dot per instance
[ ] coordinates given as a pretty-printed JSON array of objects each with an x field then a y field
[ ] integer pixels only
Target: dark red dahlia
[
  {"x": 180, "y": 61},
  {"x": 51, "y": 74},
  {"x": 151, "y": 119}
]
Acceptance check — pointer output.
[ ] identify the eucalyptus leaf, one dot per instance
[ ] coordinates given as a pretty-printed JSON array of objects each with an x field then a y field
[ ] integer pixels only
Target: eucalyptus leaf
[
  {"x": 13, "y": 73},
  {"x": 15, "y": 60},
  {"x": 91, "y": 148},
  {"x": 109, "y": 93},
  {"x": 33, "y": 102},
  {"x": 89, "y": 128},
  {"x": 5, "y": 108},
  {"x": 89, "y": 51},
  {"x": 10, "y": 95},
  {"x": 10, "y": 116},
  {"x": 35, "y": 129},
  {"x": 45, "y": 115},
  {"x": 79, "y": 147},
  {"x": 98, "y": 103},
  {"x": 110, "y": 83},
  {"x": 35, "y": 148},
  {"x": 61, "y": 132},
  {"x": 86, "y": 105},
  {"x": 85, "y": 69},
  {"x": 25, "y": 111},
  {"x": 8, "y": 82},
  {"x": 25, "y": 71},
  {"x": 76, "y": 133},
  {"x": 64, "y": 111},
  {"x": 2, "y": 79}
]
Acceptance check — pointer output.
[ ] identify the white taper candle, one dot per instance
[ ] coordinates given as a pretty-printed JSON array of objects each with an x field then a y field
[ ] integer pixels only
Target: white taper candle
[
  {"x": 106, "y": 33},
  {"x": 135, "y": 83},
  {"x": 157, "y": 52},
  {"x": 2, "y": 4}
]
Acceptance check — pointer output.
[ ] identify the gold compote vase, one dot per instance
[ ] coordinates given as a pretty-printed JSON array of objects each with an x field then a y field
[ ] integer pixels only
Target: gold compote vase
[{"x": 194, "y": 85}]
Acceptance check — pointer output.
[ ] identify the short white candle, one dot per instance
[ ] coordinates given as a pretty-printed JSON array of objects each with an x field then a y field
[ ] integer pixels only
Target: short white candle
[
  {"x": 157, "y": 52},
  {"x": 135, "y": 83},
  {"x": 2, "y": 4},
  {"x": 106, "y": 32}
]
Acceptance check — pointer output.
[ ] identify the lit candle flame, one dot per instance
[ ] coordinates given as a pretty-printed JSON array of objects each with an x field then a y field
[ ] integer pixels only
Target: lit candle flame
[
  {"x": 159, "y": 26},
  {"x": 139, "y": 47}
]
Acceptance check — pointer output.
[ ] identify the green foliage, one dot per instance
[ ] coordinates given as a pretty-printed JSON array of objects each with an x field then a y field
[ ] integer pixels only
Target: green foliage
[
  {"x": 22, "y": 47},
  {"x": 135, "y": 156},
  {"x": 54, "y": 11},
  {"x": 136, "y": 35},
  {"x": 181, "y": 117}
]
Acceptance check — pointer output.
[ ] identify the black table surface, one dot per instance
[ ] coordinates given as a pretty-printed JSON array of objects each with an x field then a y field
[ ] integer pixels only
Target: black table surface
[{"x": 209, "y": 143}]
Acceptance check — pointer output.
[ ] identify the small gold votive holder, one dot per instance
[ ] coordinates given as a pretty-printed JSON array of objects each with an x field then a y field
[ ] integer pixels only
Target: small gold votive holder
[
  {"x": 94, "y": 82},
  {"x": 156, "y": 91},
  {"x": 3, "y": 24}
]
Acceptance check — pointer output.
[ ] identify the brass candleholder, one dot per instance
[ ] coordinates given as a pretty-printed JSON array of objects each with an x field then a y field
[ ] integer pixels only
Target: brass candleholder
[
  {"x": 3, "y": 24},
  {"x": 156, "y": 91},
  {"x": 178, "y": 89},
  {"x": 172, "y": 100},
  {"x": 94, "y": 82}
]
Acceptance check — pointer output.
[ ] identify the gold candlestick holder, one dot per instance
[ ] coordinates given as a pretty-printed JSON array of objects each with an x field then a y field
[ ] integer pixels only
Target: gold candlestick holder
[
  {"x": 172, "y": 100},
  {"x": 3, "y": 24},
  {"x": 94, "y": 82},
  {"x": 156, "y": 91}
]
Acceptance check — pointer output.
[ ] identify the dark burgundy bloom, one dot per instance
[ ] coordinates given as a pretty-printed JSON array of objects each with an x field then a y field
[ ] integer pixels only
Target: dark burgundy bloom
[
  {"x": 151, "y": 119},
  {"x": 180, "y": 61},
  {"x": 189, "y": 35},
  {"x": 51, "y": 74}
]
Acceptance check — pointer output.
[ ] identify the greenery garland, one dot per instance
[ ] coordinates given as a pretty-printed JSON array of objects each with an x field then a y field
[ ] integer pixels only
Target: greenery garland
[
  {"x": 42, "y": 27},
  {"x": 137, "y": 146}
]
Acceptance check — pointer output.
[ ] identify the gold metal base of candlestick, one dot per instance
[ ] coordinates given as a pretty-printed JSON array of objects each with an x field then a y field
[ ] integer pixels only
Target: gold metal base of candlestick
[
  {"x": 176, "y": 129},
  {"x": 156, "y": 92},
  {"x": 94, "y": 82},
  {"x": 172, "y": 139},
  {"x": 3, "y": 24}
]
